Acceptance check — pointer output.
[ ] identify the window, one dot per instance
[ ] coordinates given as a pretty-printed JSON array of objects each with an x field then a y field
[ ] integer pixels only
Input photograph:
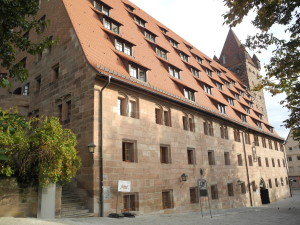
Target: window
[
  {"x": 267, "y": 162},
  {"x": 199, "y": 60},
  {"x": 211, "y": 158},
  {"x": 222, "y": 108},
  {"x": 195, "y": 72},
  {"x": 250, "y": 160},
  {"x": 287, "y": 180},
  {"x": 218, "y": 72},
  {"x": 167, "y": 199},
  {"x": 26, "y": 89},
  {"x": 139, "y": 21},
  {"x": 189, "y": 94},
  {"x": 264, "y": 144},
  {"x": 298, "y": 157},
  {"x": 270, "y": 183},
  {"x": 102, "y": 7},
  {"x": 184, "y": 57},
  {"x": 243, "y": 188},
  {"x": 289, "y": 159},
  {"x": 230, "y": 189},
  {"x": 244, "y": 118},
  {"x": 137, "y": 72},
  {"x": 270, "y": 144},
  {"x": 276, "y": 145},
  {"x": 111, "y": 25},
  {"x": 68, "y": 113},
  {"x": 174, "y": 72},
  {"x": 162, "y": 116},
  {"x": 247, "y": 109},
  {"x": 241, "y": 92},
  {"x": 237, "y": 135},
  {"x": 132, "y": 109},
  {"x": 290, "y": 148},
  {"x": 240, "y": 160},
  {"x": 224, "y": 132},
  {"x": 191, "y": 156},
  {"x": 250, "y": 104},
  {"x": 227, "y": 158},
  {"x": 247, "y": 138},
  {"x": 233, "y": 82},
  {"x": 127, "y": 106},
  {"x": 128, "y": 152},
  {"x": 230, "y": 101},
  {"x": 260, "y": 116},
  {"x": 130, "y": 202},
  {"x": 214, "y": 192},
  {"x": 59, "y": 107},
  {"x": 208, "y": 128},
  {"x": 273, "y": 162},
  {"x": 194, "y": 197},
  {"x": 38, "y": 81},
  {"x": 121, "y": 106},
  {"x": 237, "y": 96},
  {"x": 259, "y": 161},
  {"x": 165, "y": 154},
  {"x": 208, "y": 72},
  {"x": 188, "y": 123},
  {"x": 163, "y": 30},
  {"x": 185, "y": 122},
  {"x": 259, "y": 124},
  {"x": 219, "y": 86},
  {"x": 129, "y": 7},
  {"x": 161, "y": 53},
  {"x": 55, "y": 72},
  {"x": 253, "y": 186},
  {"x": 227, "y": 84},
  {"x": 189, "y": 47},
  {"x": 283, "y": 163},
  {"x": 150, "y": 36},
  {"x": 281, "y": 147},
  {"x": 123, "y": 46},
  {"x": 207, "y": 89},
  {"x": 174, "y": 43},
  {"x": 276, "y": 182},
  {"x": 281, "y": 181},
  {"x": 256, "y": 141}
]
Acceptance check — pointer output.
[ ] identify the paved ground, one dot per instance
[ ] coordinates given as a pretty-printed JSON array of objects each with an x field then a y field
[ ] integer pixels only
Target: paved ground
[{"x": 284, "y": 212}]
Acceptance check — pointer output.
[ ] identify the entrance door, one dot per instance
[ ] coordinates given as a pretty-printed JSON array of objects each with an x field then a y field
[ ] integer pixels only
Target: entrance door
[{"x": 264, "y": 194}]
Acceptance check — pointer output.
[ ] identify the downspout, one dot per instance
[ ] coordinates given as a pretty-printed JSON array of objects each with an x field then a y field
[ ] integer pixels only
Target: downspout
[
  {"x": 247, "y": 169},
  {"x": 101, "y": 201}
]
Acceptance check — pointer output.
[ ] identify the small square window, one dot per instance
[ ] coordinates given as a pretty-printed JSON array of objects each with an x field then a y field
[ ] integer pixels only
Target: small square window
[{"x": 130, "y": 202}]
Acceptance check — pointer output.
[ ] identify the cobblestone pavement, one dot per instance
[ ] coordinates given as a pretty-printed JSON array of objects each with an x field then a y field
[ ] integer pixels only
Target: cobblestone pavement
[{"x": 284, "y": 212}]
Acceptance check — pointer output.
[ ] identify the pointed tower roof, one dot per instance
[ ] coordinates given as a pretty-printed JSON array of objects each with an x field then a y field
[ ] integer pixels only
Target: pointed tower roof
[
  {"x": 215, "y": 58},
  {"x": 234, "y": 52}
]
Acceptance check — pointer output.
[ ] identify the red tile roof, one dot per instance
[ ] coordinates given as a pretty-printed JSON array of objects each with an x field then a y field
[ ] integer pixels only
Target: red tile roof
[{"x": 98, "y": 46}]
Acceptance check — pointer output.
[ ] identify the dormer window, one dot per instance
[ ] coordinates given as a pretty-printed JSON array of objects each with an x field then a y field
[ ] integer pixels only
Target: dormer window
[
  {"x": 189, "y": 47},
  {"x": 102, "y": 7},
  {"x": 163, "y": 30},
  {"x": 259, "y": 124},
  {"x": 111, "y": 25},
  {"x": 199, "y": 60},
  {"x": 184, "y": 57},
  {"x": 123, "y": 46},
  {"x": 218, "y": 72},
  {"x": 140, "y": 21},
  {"x": 129, "y": 7},
  {"x": 189, "y": 94},
  {"x": 137, "y": 72},
  {"x": 244, "y": 118},
  {"x": 161, "y": 53},
  {"x": 260, "y": 116},
  {"x": 174, "y": 43},
  {"x": 230, "y": 101},
  {"x": 195, "y": 72},
  {"x": 174, "y": 72},
  {"x": 233, "y": 82},
  {"x": 227, "y": 84},
  {"x": 222, "y": 108},
  {"x": 207, "y": 89},
  {"x": 250, "y": 104},
  {"x": 219, "y": 86},
  {"x": 247, "y": 109},
  {"x": 209, "y": 72},
  {"x": 241, "y": 92},
  {"x": 150, "y": 36},
  {"x": 237, "y": 96}
]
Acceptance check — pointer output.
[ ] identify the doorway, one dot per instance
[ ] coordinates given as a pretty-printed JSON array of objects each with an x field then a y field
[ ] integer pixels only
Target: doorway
[{"x": 264, "y": 192}]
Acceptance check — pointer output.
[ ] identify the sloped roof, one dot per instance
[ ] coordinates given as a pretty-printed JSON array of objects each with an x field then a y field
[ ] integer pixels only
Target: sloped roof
[{"x": 98, "y": 44}]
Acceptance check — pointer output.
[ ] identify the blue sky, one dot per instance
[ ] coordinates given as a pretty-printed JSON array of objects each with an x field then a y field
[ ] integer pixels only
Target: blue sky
[{"x": 200, "y": 22}]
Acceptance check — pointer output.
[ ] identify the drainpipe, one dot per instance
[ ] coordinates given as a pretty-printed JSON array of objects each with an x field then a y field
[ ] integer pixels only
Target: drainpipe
[
  {"x": 247, "y": 169},
  {"x": 101, "y": 202}
]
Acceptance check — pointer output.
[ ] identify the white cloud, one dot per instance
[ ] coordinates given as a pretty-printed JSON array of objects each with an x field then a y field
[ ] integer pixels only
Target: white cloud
[{"x": 200, "y": 22}]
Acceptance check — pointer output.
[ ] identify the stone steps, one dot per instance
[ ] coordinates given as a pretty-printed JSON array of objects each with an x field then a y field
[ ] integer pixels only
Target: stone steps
[{"x": 72, "y": 206}]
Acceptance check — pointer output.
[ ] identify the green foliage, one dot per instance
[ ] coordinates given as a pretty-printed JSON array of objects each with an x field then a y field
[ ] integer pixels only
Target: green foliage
[
  {"x": 283, "y": 71},
  {"x": 37, "y": 151},
  {"x": 17, "y": 20}
]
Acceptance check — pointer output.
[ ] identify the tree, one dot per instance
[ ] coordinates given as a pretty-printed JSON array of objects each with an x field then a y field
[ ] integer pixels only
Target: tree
[
  {"x": 17, "y": 20},
  {"x": 283, "y": 71},
  {"x": 37, "y": 151}
]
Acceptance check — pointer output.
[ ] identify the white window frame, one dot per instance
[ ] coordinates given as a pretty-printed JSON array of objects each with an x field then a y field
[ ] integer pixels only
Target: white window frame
[
  {"x": 174, "y": 72},
  {"x": 137, "y": 72},
  {"x": 207, "y": 89},
  {"x": 189, "y": 94}
]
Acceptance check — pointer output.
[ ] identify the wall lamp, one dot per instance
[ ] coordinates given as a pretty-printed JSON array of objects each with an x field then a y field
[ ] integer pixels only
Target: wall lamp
[
  {"x": 91, "y": 147},
  {"x": 184, "y": 177}
]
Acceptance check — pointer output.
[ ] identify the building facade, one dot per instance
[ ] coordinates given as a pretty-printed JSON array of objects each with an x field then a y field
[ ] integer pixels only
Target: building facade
[
  {"x": 292, "y": 147},
  {"x": 157, "y": 109}
]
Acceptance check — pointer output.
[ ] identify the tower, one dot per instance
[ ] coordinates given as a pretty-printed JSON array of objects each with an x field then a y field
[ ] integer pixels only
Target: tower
[{"x": 235, "y": 57}]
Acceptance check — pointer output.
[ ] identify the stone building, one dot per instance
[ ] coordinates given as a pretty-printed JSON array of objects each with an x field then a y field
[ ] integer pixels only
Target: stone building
[
  {"x": 292, "y": 147},
  {"x": 157, "y": 109}
]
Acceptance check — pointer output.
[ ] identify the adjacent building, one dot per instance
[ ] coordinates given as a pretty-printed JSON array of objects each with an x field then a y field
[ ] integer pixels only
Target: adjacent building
[
  {"x": 292, "y": 147},
  {"x": 157, "y": 108}
]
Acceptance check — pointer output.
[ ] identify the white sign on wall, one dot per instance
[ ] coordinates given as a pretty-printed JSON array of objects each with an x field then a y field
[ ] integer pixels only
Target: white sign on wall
[{"x": 124, "y": 186}]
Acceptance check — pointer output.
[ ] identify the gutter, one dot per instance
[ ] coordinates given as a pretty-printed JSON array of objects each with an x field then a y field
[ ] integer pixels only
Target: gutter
[
  {"x": 101, "y": 200},
  {"x": 247, "y": 169}
]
